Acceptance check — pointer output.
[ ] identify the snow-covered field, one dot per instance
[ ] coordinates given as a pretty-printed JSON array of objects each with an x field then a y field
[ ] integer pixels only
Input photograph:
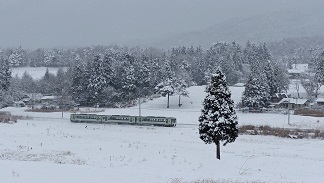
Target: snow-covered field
[
  {"x": 51, "y": 149},
  {"x": 34, "y": 72}
]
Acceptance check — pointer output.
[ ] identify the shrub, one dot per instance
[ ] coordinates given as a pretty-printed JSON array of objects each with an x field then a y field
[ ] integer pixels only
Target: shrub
[
  {"x": 281, "y": 132},
  {"x": 8, "y": 118},
  {"x": 309, "y": 112}
]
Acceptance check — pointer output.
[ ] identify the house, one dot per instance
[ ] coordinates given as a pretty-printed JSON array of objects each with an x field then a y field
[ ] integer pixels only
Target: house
[
  {"x": 48, "y": 99},
  {"x": 277, "y": 97},
  {"x": 31, "y": 98},
  {"x": 292, "y": 103},
  {"x": 19, "y": 104},
  {"x": 297, "y": 70},
  {"x": 239, "y": 85},
  {"x": 300, "y": 67},
  {"x": 319, "y": 101}
]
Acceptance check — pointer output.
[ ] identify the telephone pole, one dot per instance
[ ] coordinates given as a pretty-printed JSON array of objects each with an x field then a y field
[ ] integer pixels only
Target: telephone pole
[{"x": 139, "y": 107}]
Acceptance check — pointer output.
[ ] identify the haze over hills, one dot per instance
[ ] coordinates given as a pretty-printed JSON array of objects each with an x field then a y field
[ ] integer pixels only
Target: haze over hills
[
  {"x": 260, "y": 28},
  {"x": 74, "y": 23}
]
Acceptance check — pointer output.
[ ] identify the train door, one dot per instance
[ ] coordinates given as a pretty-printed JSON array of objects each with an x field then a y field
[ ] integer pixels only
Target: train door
[
  {"x": 104, "y": 119},
  {"x": 132, "y": 119},
  {"x": 168, "y": 122},
  {"x": 139, "y": 119},
  {"x": 98, "y": 119}
]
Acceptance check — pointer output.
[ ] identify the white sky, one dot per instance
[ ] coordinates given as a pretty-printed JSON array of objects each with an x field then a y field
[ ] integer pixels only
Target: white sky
[{"x": 52, "y": 23}]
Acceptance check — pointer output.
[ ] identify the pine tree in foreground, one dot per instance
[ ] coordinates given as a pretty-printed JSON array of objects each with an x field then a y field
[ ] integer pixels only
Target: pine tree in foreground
[{"x": 218, "y": 121}]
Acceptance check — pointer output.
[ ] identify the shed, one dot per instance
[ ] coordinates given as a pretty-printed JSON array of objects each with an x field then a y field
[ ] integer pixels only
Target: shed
[
  {"x": 292, "y": 103},
  {"x": 319, "y": 101},
  {"x": 48, "y": 99},
  {"x": 19, "y": 104}
]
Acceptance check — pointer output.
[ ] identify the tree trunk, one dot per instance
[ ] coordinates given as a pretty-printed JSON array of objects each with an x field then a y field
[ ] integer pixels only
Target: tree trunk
[
  {"x": 217, "y": 150},
  {"x": 168, "y": 100}
]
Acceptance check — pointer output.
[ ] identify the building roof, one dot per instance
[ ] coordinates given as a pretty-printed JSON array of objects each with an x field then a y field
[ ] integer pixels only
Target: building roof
[
  {"x": 300, "y": 67},
  {"x": 293, "y": 101},
  {"x": 294, "y": 71},
  {"x": 319, "y": 100},
  {"x": 281, "y": 95},
  {"x": 48, "y": 98}
]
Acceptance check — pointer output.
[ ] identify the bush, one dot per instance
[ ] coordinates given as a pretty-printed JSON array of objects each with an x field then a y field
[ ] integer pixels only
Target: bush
[
  {"x": 8, "y": 118},
  {"x": 281, "y": 132},
  {"x": 176, "y": 180},
  {"x": 309, "y": 112}
]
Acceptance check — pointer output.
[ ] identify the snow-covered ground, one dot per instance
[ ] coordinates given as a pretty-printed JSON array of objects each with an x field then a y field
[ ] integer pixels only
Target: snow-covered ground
[
  {"x": 34, "y": 72},
  {"x": 51, "y": 149}
]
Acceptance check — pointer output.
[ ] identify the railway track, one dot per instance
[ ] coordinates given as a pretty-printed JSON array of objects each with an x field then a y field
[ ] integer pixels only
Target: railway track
[{"x": 187, "y": 125}]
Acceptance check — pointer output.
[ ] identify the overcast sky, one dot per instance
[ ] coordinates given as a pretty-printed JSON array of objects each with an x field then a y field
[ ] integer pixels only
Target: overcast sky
[{"x": 66, "y": 23}]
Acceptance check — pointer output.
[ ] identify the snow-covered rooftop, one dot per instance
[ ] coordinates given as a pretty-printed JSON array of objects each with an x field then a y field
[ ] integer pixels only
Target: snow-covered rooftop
[
  {"x": 319, "y": 100},
  {"x": 296, "y": 71},
  {"x": 48, "y": 98},
  {"x": 300, "y": 67},
  {"x": 292, "y": 101}
]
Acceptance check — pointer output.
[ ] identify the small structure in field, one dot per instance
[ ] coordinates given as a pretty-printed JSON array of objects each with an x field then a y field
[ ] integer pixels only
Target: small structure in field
[
  {"x": 319, "y": 101},
  {"x": 19, "y": 104},
  {"x": 297, "y": 70},
  {"x": 292, "y": 103},
  {"x": 277, "y": 97}
]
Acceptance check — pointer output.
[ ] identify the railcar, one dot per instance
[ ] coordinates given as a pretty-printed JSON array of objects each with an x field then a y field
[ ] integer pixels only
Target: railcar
[{"x": 124, "y": 119}]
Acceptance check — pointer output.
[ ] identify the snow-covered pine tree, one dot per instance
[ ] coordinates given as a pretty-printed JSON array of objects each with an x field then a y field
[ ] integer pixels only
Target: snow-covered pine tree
[
  {"x": 49, "y": 58},
  {"x": 319, "y": 69},
  {"x": 181, "y": 89},
  {"x": 218, "y": 120},
  {"x": 15, "y": 88},
  {"x": 47, "y": 83},
  {"x": 15, "y": 59},
  {"x": 28, "y": 84},
  {"x": 182, "y": 79},
  {"x": 155, "y": 73},
  {"x": 237, "y": 57},
  {"x": 5, "y": 78},
  {"x": 142, "y": 76},
  {"x": 281, "y": 76},
  {"x": 249, "y": 53},
  {"x": 127, "y": 79},
  {"x": 166, "y": 87},
  {"x": 271, "y": 79},
  {"x": 79, "y": 85},
  {"x": 37, "y": 57},
  {"x": 264, "y": 53},
  {"x": 5, "y": 74},
  {"x": 60, "y": 81},
  {"x": 221, "y": 55},
  {"x": 101, "y": 75},
  {"x": 197, "y": 71},
  {"x": 256, "y": 92}
]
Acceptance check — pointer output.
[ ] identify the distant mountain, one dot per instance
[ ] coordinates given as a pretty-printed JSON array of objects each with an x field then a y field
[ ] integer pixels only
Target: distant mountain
[{"x": 263, "y": 28}]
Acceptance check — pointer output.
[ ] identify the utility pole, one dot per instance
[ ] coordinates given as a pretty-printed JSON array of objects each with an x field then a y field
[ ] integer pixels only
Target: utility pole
[
  {"x": 62, "y": 102},
  {"x": 139, "y": 106},
  {"x": 289, "y": 112}
]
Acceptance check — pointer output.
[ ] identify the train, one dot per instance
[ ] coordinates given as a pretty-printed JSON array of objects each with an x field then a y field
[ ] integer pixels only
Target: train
[{"x": 124, "y": 119}]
